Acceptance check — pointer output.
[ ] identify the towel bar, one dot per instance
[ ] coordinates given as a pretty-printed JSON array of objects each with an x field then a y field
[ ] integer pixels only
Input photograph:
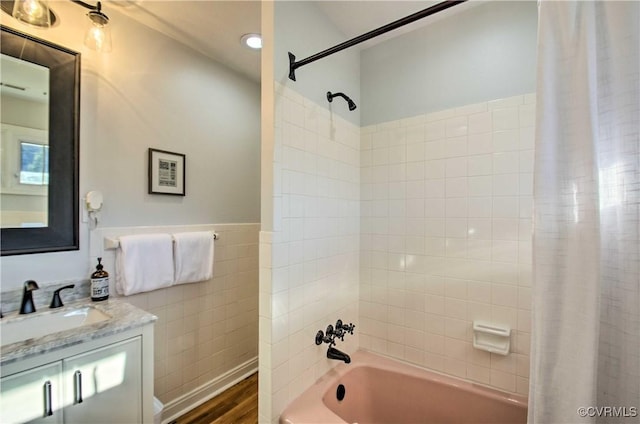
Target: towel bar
[{"x": 114, "y": 243}]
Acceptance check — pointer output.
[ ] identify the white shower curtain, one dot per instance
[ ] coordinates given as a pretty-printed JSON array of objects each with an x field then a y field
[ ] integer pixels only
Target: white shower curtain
[{"x": 586, "y": 310}]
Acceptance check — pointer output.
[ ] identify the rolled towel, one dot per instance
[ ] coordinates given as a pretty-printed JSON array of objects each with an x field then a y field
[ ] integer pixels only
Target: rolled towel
[
  {"x": 144, "y": 263},
  {"x": 193, "y": 256}
]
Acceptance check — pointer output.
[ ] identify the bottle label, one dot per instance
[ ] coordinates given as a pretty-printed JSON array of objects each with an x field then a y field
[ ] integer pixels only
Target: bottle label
[{"x": 99, "y": 287}]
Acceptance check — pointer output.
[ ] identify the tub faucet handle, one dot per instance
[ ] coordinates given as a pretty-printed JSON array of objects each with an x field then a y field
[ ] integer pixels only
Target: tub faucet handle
[
  {"x": 329, "y": 331},
  {"x": 351, "y": 328},
  {"x": 321, "y": 337},
  {"x": 347, "y": 328}
]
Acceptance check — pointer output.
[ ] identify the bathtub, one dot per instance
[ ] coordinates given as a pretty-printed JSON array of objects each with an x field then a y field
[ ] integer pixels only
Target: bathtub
[{"x": 378, "y": 390}]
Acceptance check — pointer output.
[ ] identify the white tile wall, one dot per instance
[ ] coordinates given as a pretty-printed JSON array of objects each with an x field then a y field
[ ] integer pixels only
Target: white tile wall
[
  {"x": 309, "y": 264},
  {"x": 203, "y": 329},
  {"x": 446, "y": 237}
]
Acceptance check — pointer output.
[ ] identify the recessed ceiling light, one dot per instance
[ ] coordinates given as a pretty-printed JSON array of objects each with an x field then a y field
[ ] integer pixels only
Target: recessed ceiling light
[{"x": 253, "y": 41}]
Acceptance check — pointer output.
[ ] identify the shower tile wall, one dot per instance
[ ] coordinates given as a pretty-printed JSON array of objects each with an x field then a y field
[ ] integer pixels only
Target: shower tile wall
[
  {"x": 309, "y": 264},
  {"x": 446, "y": 203},
  {"x": 205, "y": 329}
]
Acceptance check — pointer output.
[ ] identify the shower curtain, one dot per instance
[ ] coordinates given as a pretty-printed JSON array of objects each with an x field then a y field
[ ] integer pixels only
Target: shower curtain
[{"x": 586, "y": 275}]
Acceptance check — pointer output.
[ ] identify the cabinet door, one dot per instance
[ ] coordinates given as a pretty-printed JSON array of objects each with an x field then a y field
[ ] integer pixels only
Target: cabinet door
[
  {"x": 104, "y": 385},
  {"x": 32, "y": 396}
]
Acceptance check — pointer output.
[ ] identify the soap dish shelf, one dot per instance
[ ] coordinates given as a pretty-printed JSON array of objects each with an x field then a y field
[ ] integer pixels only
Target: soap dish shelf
[{"x": 492, "y": 338}]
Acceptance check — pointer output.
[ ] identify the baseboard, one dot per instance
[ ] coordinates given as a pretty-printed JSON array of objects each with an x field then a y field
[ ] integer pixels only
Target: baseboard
[{"x": 200, "y": 395}]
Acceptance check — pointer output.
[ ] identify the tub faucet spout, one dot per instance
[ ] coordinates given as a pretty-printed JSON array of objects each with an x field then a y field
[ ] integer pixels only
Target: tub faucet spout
[{"x": 333, "y": 353}]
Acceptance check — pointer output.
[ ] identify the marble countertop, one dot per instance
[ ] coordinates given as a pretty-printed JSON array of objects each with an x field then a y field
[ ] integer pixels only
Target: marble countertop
[{"x": 124, "y": 316}]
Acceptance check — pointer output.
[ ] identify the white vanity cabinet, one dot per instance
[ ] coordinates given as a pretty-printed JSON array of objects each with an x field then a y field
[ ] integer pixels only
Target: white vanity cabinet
[
  {"x": 106, "y": 380},
  {"x": 33, "y": 396},
  {"x": 104, "y": 385}
]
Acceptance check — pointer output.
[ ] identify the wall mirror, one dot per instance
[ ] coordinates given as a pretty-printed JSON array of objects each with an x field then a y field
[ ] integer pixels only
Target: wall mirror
[{"x": 39, "y": 124}]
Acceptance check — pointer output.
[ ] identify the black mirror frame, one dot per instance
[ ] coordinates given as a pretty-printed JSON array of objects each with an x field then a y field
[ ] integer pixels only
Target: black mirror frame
[{"x": 62, "y": 232}]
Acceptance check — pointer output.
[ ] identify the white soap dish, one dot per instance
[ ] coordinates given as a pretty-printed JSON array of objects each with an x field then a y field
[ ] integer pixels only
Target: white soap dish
[{"x": 492, "y": 338}]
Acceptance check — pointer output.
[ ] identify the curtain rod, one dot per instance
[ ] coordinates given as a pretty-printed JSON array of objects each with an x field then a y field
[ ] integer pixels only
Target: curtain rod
[{"x": 293, "y": 65}]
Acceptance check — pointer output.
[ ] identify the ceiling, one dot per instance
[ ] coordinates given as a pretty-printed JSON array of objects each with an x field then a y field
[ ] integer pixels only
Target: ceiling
[
  {"x": 214, "y": 27},
  {"x": 24, "y": 80}
]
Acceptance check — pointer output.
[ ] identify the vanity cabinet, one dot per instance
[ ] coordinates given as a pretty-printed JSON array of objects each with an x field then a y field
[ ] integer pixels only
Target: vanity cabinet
[
  {"x": 109, "y": 380},
  {"x": 32, "y": 395},
  {"x": 104, "y": 385}
]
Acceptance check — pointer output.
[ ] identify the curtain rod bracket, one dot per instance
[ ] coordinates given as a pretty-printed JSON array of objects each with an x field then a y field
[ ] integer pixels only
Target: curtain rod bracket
[{"x": 293, "y": 65}]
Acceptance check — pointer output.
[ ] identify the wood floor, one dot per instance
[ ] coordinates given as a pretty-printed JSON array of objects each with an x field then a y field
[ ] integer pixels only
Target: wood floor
[{"x": 236, "y": 405}]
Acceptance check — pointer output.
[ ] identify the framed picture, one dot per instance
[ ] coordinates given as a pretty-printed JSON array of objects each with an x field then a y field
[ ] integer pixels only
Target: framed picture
[{"x": 166, "y": 172}]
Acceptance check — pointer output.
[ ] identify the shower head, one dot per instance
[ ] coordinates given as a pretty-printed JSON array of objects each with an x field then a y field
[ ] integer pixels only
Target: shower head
[{"x": 351, "y": 103}]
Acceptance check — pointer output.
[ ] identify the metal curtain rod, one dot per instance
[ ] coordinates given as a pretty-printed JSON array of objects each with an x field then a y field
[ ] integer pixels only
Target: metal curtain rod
[{"x": 293, "y": 65}]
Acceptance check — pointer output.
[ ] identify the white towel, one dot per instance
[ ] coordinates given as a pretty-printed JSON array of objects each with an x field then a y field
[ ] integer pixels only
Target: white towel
[
  {"x": 144, "y": 262},
  {"x": 193, "y": 256}
]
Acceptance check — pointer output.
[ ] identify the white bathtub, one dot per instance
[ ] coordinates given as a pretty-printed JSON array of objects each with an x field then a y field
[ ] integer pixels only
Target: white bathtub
[{"x": 380, "y": 390}]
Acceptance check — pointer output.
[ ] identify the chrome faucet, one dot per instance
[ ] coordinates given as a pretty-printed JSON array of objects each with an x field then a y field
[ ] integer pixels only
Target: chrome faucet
[
  {"x": 27, "y": 306},
  {"x": 333, "y": 353}
]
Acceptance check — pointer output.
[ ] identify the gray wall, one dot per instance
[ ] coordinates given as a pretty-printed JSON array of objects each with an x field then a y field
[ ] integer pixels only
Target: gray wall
[
  {"x": 303, "y": 29},
  {"x": 154, "y": 92},
  {"x": 483, "y": 53}
]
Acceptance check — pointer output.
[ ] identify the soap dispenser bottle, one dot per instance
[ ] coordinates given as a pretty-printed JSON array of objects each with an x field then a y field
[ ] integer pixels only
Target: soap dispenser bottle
[{"x": 99, "y": 283}]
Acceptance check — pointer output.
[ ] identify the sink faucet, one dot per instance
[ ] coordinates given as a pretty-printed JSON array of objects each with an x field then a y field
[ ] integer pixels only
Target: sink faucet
[
  {"x": 333, "y": 353},
  {"x": 56, "y": 302},
  {"x": 27, "y": 307}
]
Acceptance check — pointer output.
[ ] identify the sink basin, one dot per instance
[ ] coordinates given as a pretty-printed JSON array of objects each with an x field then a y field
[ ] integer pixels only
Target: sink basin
[{"x": 48, "y": 323}]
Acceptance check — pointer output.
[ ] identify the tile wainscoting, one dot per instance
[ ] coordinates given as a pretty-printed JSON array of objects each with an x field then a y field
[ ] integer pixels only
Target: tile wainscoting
[{"x": 206, "y": 336}]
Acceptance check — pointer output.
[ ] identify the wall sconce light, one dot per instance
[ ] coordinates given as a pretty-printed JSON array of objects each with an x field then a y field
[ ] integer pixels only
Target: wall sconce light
[
  {"x": 37, "y": 13},
  {"x": 98, "y": 34},
  {"x": 32, "y": 12}
]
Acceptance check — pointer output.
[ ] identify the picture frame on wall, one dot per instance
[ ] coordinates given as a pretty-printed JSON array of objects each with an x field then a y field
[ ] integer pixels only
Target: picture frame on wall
[{"x": 166, "y": 172}]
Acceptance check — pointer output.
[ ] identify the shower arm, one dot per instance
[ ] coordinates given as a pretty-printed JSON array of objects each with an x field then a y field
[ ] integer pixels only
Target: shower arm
[
  {"x": 351, "y": 103},
  {"x": 331, "y": 95},
  {"x": 293, "y": 65}
]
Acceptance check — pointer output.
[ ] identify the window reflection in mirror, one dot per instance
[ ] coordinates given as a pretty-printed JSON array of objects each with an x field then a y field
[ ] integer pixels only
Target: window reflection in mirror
[
  {"x": 24, "y": 123},
  {"x": 34, "y": 163}
]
